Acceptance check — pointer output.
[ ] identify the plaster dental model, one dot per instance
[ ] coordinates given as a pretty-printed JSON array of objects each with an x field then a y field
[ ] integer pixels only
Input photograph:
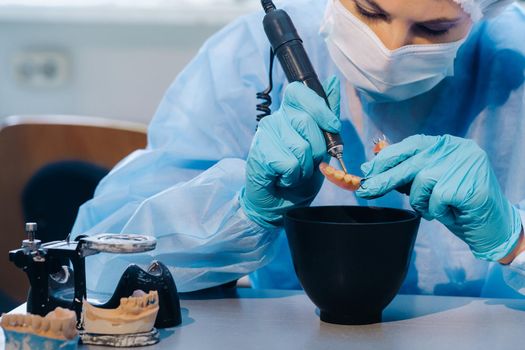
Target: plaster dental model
[
  {"x": 129, "y": 325},
  {"x": 28, "y": 332},
  {"x": 135, "y": 314}
]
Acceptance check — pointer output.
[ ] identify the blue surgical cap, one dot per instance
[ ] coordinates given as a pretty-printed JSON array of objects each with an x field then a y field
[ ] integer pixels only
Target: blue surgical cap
[{"x": 480, "y": 9}]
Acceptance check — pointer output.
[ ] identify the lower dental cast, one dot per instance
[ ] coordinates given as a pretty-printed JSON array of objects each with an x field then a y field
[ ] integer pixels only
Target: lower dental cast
[
  {"x": 135, "y": 314},
  {"x": 58, "y": 324}
]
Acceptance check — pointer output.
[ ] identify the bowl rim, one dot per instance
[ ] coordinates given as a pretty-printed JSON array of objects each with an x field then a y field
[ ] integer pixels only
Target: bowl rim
[{"x": 413, "y": 214}]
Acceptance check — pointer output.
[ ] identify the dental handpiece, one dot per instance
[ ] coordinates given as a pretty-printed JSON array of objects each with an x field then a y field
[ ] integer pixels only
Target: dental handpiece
[{"x": 288, "y": 47}]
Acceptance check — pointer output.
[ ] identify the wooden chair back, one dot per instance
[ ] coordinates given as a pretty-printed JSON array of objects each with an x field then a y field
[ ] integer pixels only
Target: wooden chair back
[{"x": 29, "y": 143}]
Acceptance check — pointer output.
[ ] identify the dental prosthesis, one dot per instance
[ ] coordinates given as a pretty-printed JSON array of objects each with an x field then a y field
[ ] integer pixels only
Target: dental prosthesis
[
  {"x": 135, "y": 314},
  {"x": 29, "y": 332},
  {"x": 347, "y": 181},
  {"x": 130, "y": 324}
]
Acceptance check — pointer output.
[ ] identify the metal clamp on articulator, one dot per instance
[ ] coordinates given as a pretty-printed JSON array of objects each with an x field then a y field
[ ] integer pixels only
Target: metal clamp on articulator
[
  {"x": 57, "y": 275},
  {"x": 44, "y": 263},
  {"x": 288, "y": 47}
]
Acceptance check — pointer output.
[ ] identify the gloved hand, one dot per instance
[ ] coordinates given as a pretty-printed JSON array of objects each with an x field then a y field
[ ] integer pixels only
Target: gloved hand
[
  {"x": 282, "y": 166},
  {"x": 454, "y": 183}
]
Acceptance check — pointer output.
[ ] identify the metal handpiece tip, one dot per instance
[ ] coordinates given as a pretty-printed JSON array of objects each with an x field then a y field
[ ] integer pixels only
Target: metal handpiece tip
[{"x": 340, "y": 159}]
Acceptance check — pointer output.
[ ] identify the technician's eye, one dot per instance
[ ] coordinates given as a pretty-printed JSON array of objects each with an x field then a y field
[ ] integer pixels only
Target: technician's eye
[{"x": 432, "y": 32}]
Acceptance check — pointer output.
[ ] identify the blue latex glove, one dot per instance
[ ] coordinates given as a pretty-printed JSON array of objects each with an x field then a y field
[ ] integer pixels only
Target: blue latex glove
[
  {"x": 282, "y": 166},
  {"x": 454, "y": 183}
]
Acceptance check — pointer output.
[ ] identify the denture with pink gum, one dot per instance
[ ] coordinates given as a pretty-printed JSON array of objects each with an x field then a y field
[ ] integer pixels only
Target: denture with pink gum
[{"x": 349, "y": 182}]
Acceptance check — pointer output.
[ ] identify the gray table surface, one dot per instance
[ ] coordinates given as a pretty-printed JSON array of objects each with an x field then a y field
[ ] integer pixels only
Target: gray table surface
[{"x": 269, "y": 319}]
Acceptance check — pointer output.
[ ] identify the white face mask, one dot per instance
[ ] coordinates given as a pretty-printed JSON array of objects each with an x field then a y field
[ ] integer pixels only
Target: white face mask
[{"x": 380, "y": 73}]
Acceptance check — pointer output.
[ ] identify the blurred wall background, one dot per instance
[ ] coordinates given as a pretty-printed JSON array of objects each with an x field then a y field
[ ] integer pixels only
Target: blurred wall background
[{"x": 108, "y": 60}]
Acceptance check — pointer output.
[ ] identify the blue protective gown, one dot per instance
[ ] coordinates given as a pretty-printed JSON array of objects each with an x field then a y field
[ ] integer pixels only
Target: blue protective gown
[{"x": 183, "y": 188}]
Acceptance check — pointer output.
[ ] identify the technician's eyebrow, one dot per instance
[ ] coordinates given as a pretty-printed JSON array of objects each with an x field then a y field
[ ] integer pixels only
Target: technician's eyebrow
[{"x": 375, "y": 6}]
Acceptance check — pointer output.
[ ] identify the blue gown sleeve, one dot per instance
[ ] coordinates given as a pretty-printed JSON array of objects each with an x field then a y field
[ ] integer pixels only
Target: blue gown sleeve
[
  {"x": 514, "y": 273},
  {"x": 501, "y": 63},
  {"x": 183, "y": 188}
]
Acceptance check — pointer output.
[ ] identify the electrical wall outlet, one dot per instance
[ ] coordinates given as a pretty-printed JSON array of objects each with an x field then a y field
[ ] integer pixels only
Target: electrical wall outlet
[{"x": 41, "y": 69}]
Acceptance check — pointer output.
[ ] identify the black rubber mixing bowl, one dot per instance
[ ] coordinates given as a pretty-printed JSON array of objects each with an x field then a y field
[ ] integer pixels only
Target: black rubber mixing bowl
[{"x": 351, "y": 260}]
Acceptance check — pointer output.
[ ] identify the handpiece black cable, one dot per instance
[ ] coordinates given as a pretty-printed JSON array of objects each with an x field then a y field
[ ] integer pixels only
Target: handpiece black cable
[{"x": 264, "y": 106}]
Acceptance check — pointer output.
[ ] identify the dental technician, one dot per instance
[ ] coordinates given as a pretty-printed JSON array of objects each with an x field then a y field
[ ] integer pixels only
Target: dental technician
[{"x": 442, "y": 79}]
